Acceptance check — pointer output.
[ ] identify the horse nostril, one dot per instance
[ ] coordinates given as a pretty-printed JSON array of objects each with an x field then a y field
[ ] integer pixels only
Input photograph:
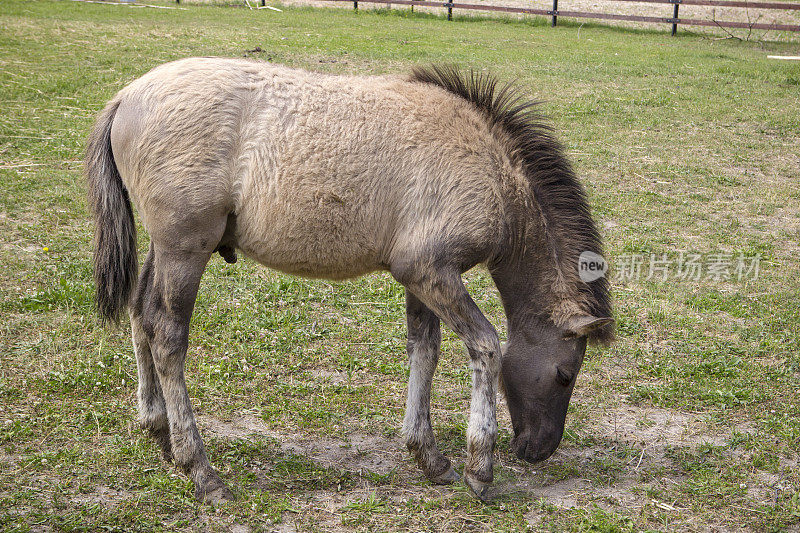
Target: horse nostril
[
  {"x": 533, "y": 455},
  {"x": 538, "y": 457},
  {"x": 519, "y": 446},
  {"x": 521, "y": 452},
  {"x": 529, "y": 451},
  {"x": 540, "y": 453}
]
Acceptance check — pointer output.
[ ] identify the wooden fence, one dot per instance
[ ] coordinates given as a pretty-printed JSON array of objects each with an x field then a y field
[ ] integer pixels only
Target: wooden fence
[{"x": 674, "y": 20}]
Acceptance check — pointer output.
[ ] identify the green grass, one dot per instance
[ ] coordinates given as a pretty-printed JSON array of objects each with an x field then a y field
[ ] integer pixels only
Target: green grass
[{"x": 688, "y": 421}]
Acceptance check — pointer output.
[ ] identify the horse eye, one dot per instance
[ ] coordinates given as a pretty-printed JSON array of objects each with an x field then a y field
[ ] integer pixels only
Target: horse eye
[{"x": 562, "y": 377}]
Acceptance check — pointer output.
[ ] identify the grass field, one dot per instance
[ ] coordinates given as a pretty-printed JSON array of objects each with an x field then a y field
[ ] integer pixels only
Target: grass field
[{"x": 689, "y": 422}]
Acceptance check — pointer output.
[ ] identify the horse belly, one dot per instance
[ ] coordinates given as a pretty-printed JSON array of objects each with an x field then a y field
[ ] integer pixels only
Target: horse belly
[{"x": 312, "y": 237}]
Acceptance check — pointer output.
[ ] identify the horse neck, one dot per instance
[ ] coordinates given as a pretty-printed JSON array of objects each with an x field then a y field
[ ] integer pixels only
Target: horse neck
[{"x": 525, "y": 284}]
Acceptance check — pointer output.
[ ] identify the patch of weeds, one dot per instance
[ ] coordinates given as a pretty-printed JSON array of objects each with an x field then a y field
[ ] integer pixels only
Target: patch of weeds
[
  {"x": 452, "y": 437},
  {"x": 594, "y": 520},
  {"x": 370, "y": 504},
  {"x": 273, "y": 470},
  {"x": 66, "y": 293},
  {"x": 297, "y": 472}
]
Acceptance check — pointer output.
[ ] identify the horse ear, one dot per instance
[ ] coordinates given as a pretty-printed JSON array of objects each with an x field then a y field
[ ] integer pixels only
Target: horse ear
[{"x": 583, "y": 325}]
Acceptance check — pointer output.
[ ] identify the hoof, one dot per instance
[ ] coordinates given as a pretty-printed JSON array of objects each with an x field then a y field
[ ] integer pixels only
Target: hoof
[
  {"x": 480, "y": 489},
  {"x": 448, "y": 477},
  {"x": 217, "y": 495}
]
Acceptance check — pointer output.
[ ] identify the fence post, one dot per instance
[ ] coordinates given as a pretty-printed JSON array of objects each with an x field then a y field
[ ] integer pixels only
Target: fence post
[
  {"x": 355, "y": 5},
  {"x": 675, "y": 17},
  {"x": 555, "y": 15},
  {"x": 449, "y": 6},
  {"x": 263, "y": 3}
]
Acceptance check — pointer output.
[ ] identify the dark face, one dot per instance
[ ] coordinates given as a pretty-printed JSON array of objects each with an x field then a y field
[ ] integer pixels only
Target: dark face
[{"x": 539, "y": 369}]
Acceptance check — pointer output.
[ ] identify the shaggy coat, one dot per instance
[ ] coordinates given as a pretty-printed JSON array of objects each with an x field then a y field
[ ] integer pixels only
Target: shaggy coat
[{"x": 330, "y": 176}]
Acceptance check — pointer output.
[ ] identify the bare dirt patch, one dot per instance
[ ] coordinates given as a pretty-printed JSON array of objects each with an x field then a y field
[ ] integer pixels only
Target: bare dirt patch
[
  {"x": 651, "y": 430},
  {"x": 328, "y": 376},
  {"x": 655, "y": 427},
  {"x": 355, "y": 452},
  {"x": 707, "y": 13},
  {"x": 102, "y": 495},
  {"x": 632, "y": 460},
  {"x": 647, "y": 9}
]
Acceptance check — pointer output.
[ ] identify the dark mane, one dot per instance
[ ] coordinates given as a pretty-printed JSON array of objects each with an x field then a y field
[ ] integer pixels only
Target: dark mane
[{"x": 568, "y": 225}]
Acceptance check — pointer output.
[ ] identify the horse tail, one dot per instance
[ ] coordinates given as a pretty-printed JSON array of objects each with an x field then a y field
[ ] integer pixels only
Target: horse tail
[{"x": 115, "y": 261}]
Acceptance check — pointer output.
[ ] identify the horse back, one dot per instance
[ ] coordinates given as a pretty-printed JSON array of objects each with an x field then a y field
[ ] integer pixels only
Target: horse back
[{"x": 329, "y": 176}]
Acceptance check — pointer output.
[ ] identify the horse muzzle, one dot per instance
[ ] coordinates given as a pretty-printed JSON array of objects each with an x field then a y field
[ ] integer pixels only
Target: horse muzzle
[{"x": 535, "y": 449}]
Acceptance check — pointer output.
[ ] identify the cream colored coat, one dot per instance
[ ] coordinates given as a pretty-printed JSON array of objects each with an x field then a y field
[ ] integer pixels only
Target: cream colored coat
[{"x": 328, "y": 176}]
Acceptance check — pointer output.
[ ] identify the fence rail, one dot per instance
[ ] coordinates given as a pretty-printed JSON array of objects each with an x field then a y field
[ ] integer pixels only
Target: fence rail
[{"x": 674, "y": 20}]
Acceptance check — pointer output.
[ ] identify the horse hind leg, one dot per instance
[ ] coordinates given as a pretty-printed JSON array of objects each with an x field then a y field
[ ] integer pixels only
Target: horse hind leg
[
  {"x": 424, "y": 338},
  {"x": 166, "y": 312},
  {"x": 152, "y": 409}
]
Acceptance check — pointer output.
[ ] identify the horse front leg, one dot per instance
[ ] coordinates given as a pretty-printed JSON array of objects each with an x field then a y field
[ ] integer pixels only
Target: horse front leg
[
  {"x": 443, "y": 292},
  {"x": 424, "y": 338},
  {"x": 482, "y": 429},
  {"x": 166, "y": 311}
]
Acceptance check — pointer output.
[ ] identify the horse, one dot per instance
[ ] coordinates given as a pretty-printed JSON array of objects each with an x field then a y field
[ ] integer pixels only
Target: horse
[{"x": 423, "y": 174}]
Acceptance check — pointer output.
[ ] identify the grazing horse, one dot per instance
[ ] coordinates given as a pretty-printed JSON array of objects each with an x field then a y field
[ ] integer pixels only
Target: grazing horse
[{"x": 424, "y": 175}]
